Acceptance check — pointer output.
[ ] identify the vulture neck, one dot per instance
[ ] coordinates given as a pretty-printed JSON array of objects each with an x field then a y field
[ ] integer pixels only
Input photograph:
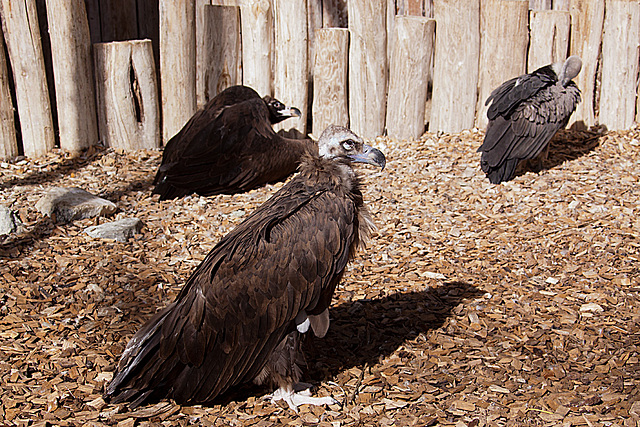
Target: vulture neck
[{"x": 337, "y": 171}]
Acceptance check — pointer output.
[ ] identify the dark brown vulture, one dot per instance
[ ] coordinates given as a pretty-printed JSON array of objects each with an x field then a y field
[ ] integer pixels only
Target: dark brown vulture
[
  {"x": 230, "y": 147},
  {"x": 525, "y": 113},
  {"x": 241, "y": 315}
]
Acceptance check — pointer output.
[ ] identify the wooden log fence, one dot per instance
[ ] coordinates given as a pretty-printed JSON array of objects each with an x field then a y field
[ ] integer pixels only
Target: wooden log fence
[{"x": 352, "y": 62}]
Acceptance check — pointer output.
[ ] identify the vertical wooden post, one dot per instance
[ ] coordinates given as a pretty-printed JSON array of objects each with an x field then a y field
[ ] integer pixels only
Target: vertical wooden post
[
  {"x": 221, "y": 55},
  {"x": 455, "y": 79},
  {"x": 334, "y": 14},
  {"x": 73, "y": 73},
  {"x": 201, "y": 47},
  {"x": 367, "y": 66},
  {"x": 127, "y": 99},
  {"x": 177, "y": 64},
  {"x": 408, "y": 76},
  {"x": 257, "y": 45},
  {"x": 587, "y": 18},
  {"x": 549, "y": 31},
  {"x": 8, "y": 140},
  {"x": 503, "y": 54},
  {"x": 330, "y": 100},
  {"x": 620, "y": 40},
  {"x": 22, "y": 35},
  {"x": 291, "y": 72}
]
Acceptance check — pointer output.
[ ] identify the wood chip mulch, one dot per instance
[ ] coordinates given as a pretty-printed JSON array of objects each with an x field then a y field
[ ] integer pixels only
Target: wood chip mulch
[{"x": 474, "y": 304}]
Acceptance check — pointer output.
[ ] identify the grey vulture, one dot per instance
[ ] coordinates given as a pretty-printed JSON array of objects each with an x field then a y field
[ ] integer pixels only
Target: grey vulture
[
  {"x": 241, "y": 315},
  {"x": 524, "y": 115},
  {"x": 229, "y": 146}
]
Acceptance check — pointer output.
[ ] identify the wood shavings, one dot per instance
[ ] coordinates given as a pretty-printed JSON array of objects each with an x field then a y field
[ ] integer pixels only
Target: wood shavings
[{"x": 474, "y": 304}]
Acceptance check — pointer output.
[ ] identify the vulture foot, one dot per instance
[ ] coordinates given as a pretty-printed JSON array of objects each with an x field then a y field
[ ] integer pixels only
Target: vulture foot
[{"x": 302, "y": 397}]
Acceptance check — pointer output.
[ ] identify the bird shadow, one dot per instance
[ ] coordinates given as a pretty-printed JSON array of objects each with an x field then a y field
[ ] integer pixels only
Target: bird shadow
[
  {"x": 365, "y": 331},
  {"x": 565, "y": 146}
]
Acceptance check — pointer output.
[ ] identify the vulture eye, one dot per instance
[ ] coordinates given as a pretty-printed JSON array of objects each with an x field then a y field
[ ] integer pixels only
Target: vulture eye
[
  {"x": 348, "y": 145},
  {"x": 277, "y": 104}
]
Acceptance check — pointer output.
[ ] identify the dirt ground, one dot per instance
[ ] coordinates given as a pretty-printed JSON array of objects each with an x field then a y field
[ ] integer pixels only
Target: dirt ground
[{"x": 473, "y": 305}]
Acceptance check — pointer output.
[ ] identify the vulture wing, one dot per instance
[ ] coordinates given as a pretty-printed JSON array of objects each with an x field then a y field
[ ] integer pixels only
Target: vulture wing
[
  {"x": 242, "y": 300},
  {"x": 524, "y": 115}
]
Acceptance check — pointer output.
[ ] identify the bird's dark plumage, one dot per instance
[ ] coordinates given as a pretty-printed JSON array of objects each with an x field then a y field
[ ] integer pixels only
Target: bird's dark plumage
[
  {"x": 229, "y": 147},
  {"x": 525, "y": 113},
  {"x": 239, "y": 317}
]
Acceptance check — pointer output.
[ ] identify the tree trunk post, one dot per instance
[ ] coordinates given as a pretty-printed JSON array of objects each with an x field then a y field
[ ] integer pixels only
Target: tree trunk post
[
  {"x": 367, "y": 66},
  {"x": 177, "y": 64},
  {"x": 73, "y": 73},
  {"x": 455, "y": 79},
  {"x": 127, "y": 99},
  {"x": 408, "y": 76},
  {"x": 504, "y": 38},
  {"x": 257, "y": 45},
  {"x": 291, "y": 65},
  {"x": 330, "y": 97},
  {"x": 587, "y": 18},
  {"x": 620, "y": 40},
  {"x": 22, "y": 35},
  {"x": 8, "y": 140}
]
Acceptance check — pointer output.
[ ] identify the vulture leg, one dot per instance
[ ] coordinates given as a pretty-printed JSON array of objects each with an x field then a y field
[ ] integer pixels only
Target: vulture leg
[{"x": 302, "y": 397}]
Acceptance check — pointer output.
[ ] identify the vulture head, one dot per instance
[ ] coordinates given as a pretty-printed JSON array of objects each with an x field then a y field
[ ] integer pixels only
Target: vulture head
[
  {"x": 568, "y": 70},
  {"x": 337, "y": 142},
  {"x": 278, "y": 111}
]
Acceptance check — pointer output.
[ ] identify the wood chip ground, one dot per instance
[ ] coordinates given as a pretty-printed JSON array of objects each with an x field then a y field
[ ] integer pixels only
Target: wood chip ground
[{"x": 474, "y": 304}]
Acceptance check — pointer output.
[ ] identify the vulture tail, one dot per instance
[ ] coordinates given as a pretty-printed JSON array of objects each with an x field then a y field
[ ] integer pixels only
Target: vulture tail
[
  {"x": 500, "y": 173},
  {"x": 168, "y": 191},
  {"x": 133, "y": 379}
]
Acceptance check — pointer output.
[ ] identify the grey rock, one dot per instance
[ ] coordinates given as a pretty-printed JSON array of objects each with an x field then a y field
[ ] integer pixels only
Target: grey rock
[
  {"x": 119, "y": 230},
  {"x": 9, "y": 221},
  {"x": 69, "y": 204}
]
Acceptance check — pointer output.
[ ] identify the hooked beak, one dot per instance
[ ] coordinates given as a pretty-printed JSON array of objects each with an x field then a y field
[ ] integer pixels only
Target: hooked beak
[
  {"x": 370, "y": 155},
  {"x": 290, "y": 112}
]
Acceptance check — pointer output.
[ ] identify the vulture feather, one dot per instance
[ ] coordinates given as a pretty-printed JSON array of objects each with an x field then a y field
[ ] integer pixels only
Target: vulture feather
[
  {"x": 241, "y": 315},
  {"x": 524, "y": 115},
  {"x": 230, "y": 147}
]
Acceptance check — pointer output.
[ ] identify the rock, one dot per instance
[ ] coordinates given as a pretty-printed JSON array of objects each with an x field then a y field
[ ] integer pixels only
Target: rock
[
  {"x": 119, "y": 230},
  {"x": 9, "y": 221},
  {"x": 69, "y": 204}
]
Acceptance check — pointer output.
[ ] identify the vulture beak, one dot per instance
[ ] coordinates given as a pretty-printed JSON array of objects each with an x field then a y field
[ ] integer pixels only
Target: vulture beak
[
  {"x": 289, "y": 112},
  {"x": 369, "y": 155}
]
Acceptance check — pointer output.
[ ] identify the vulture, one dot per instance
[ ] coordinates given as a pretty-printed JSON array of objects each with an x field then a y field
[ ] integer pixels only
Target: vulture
[
  {"x": 230, "y": 147},
  {"x": 525, "y": 113},
  {"x": 241, "y": 315}
]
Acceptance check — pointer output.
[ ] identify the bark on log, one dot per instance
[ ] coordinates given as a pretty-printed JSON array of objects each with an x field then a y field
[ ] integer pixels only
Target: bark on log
[
  {"x": 367, "y": 66},
  {"x": 257, "y": 45},
  {"x": 330, "y": 97},
  {"x": 221, "y": 55},
  {"x": 73, "y": 73},
  {"x": 291, "y": 60},
  {"x": 620, "y": 40},
  {"x": 587, "y": 19},
  {"x": 503, "y": 54},
  {"x": 22, "y": 35},
  {"x": 455, "y": 79},
  {"x": 549, "y": 32},
  {"x": 8, "y": 140},
  {"x": 561, "y": 5},
  {"x": 177, "y": 64},
  {"x": 127, "y": 99},
  {"x": 408, "y": 76}
]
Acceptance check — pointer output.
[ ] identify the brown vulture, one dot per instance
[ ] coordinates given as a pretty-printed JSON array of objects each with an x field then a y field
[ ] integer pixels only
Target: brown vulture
[
  {"x": 525, "y": 113},
  {"x": 241, "y": 315},
  {"x": 230, "y": 147}
]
